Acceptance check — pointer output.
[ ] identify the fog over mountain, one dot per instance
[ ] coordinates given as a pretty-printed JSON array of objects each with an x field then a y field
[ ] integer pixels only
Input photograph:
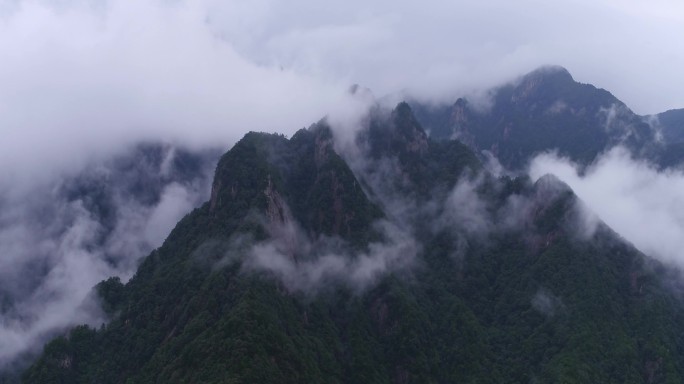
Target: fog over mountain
[
  {"x": 98, "y": 96},
  {"x": 642, "y": 203}
]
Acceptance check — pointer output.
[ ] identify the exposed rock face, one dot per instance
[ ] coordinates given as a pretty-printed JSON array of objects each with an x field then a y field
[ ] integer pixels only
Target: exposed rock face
[
  {"x": 322, "y": 150},
  {"x": 276, "y": 209},
  {"x": 408, "y": 131},
  {"x": 214, "y": 195}
]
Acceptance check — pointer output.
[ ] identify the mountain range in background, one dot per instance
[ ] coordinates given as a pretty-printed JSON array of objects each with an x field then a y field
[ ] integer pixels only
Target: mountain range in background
[
  {"x": 547, "y": 110},
  {"x": 403, "y": 256}
]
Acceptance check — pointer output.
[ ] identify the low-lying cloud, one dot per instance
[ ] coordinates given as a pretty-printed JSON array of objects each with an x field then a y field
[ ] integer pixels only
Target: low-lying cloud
[
  {"x": 58, "y": 241},
  {"x": 309, "y": 266},
  {"x": 643, "y": 204},
  {"x": 546, "y": 303}
]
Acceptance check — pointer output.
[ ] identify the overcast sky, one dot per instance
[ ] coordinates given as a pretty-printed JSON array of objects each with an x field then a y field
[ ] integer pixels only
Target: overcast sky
[{"x": 82, "y": 77}]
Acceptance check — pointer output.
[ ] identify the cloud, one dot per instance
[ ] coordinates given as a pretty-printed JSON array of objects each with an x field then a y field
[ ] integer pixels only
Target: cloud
[
  {"x": 46, "y": 278},
  {"x": 466, "y": 210},
  {"x": 86, "y": 78},
  {"x": 310, "y": 266},
  {"x": 58, "y": 241},
  {"x": 81, "y": 78},
  {"x": 546, "y": 303},
  {"x": 640, "y": 202},
  {"x": 436, "y": 48}
]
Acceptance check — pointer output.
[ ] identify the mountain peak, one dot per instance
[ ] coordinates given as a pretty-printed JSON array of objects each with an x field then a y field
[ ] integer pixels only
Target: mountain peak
[
  {"x": 542, "y": 83},
  {"x": 303, "y": 176},
  {"x": 408, "y": 129},
  {"x": 550, "y": 72},
  {"x": 551, "y": 185},
  {"x": 398, "y": 133}
]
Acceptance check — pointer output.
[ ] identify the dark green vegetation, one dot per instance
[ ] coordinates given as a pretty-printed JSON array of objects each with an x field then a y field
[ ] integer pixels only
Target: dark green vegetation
[{"x": 515, "y": 291}]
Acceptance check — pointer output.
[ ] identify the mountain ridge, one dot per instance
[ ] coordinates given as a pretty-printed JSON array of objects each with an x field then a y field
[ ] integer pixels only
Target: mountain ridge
[
  {"x": 502, "y": 285},
  {"x": 546, "y": 110}
]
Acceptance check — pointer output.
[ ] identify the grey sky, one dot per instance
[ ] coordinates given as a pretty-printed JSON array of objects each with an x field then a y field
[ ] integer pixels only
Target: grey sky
[
  {"x": 84, "y": 77},
  {"x": 632, "y": 48}
]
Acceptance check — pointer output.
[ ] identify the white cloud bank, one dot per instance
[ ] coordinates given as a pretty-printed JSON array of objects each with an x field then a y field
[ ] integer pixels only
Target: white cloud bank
[
  {"x": 435, "y": 48},
  {"x": 55, "y": 246},
  {"x": 641, "y": 203},
  {"x": 82, "y": 77}
]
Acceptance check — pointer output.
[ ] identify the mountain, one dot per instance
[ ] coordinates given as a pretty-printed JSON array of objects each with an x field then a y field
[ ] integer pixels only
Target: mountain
[
  {"x": 672, "y": 125},
  {"x": 401, "y": 260},
  {"x": 544, "y": 110}
]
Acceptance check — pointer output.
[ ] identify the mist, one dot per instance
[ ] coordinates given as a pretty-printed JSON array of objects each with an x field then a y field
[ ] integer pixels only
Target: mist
[
  {"x": 637, "y": 200},
  {"x": 58, "y": 241},
  {"x": 434, "y": 49},
  {"x": 309, "y": 266},
  {"x": 85, "y": 78}
]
